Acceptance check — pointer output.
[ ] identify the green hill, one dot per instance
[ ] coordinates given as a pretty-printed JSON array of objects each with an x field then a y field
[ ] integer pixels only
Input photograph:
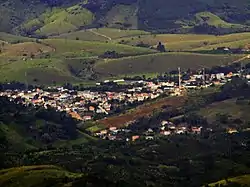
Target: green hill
[
  {"x": 58, "y": 21},
  {"x": 43, "y": 17},
  {"x": 90, "y": 48},
  {"x": 31, "y": 176},
  {"x": 187, "y": 42},
  {"x": 243, "y": 180},
  {"x": 159, "y": 63},
  {"x": 11, "y": 38},
  {"x": 49, "y": 175},
  {"x": 23, "y": 128}
]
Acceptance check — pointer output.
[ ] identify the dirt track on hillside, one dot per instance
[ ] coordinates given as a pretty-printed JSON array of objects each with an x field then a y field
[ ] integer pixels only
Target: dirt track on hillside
[{"x": 143, "y": 110}]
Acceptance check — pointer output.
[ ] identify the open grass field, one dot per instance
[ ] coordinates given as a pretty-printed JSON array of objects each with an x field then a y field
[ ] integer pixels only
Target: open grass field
[
  {"x": 10, "y": 38},
  {"x": 187, "y": 42},
  {"x": 119, "y": 33},
  {"x": 229, "y": 107},
  {"x": 72, "y": 48},
  {"x": 159, "y": 63},
  {"x": 142, "y": 111},
  {"x": 243, "y": 180},
  {"x": 50, "y": 60},
  {"x": 85, "y": 35},
  {"x": 36, "y": 176},
  {"x": 25, "y": 49},
  {"x": 43, "y": 71},
  {"x": 214, "y": 20}
]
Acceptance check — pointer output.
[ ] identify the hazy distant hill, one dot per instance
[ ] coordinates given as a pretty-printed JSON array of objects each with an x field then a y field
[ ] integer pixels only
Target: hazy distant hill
[{"x": 48, "y": 17}]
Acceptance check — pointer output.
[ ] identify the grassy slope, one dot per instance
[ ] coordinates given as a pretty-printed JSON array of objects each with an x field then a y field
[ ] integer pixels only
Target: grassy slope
[
  {"x": 44, "y": 70},
  {"x": 226, "y": 107},
  {"x": 122, "y": 14},
  {"x": 25, "y": 49},
  {"x": 191, "y": 41},
  {"x": 119, "y": 33},
  {"x": 214, "y": 20},
  {"x": 10, "y": 38},
  {"x": 160, "y": 63},
  {"x": 101, "y": 34},
  {"x": 14, "y": 12},
  {"x": 36, "y": 176},
  {"x": 242, "y": 180},
  {"x": 92, "y": 48},
  {"x": 82, "y": 35},
  {"x": 58, "y": 21},
  {"x": 15, "y": 140},
  {"x": 54, "y": 68}
]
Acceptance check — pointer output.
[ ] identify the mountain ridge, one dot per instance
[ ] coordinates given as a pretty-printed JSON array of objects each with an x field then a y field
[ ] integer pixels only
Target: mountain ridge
[{"x": 172, "y": 16}]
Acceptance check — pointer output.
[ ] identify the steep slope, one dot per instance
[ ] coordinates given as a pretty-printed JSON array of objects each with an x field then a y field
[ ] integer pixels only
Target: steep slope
[
  {"x": 47, "y": 17},
  {"x": 47, "y": 175},
  {"x": 243, "y": 180},
  {"x": 58, "y": 21}
]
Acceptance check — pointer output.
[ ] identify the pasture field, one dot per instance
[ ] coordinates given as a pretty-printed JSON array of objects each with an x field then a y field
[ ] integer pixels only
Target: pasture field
[
  {"x": 10, "y": 38},
  {"x": 189, "y": 42},
  {"x": 74, "y": 48},
  {"x": 84, "y": 35},
  {"x": 159, "y": 63},
  {"x": 26, "y": 49},
  {"x": 42, "y": 71},
  {"x": 120, "y": 33}
]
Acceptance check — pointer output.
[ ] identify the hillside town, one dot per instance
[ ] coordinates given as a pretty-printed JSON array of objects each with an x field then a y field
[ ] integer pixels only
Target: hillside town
[{"x": 93, "y": 105}]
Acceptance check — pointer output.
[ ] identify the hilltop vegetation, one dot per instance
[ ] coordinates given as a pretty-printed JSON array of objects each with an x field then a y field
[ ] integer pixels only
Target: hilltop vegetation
[
  {"x": 28, "y": 127},
  {"x": 58, "y": 21},
  {"x": 46, "y": 18}
]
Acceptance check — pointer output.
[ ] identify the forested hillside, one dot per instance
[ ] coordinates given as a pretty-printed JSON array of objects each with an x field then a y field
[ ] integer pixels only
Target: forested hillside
[{"x": 44, "y": 17}]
